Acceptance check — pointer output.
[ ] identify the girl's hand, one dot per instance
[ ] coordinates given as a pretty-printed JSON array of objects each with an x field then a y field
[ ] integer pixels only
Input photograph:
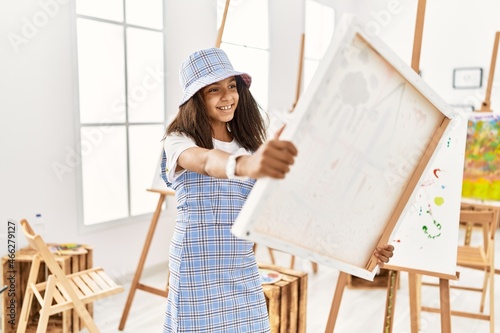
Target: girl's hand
[
  {"x": 383, "y": 254},
  {"x": 272, "y": 159}
]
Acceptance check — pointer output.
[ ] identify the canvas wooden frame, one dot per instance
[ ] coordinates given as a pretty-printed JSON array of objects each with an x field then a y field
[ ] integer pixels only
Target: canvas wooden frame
[{"x": 313, "y": 213}]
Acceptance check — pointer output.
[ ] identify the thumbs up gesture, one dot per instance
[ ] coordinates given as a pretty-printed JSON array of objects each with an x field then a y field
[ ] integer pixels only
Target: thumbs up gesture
[{"x": 273, "y": 159}]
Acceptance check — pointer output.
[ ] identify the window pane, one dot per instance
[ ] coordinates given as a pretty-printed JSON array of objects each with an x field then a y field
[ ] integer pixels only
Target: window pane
[
  {"x": 145, "y": 13},
  {"x": 254, "y": 62},
  {"x": 319, "y": 25},
  {"x": 145, "y": 146},
  {"x": 105, "y": 9},
  {"x": 145, "y": 75},
  {"x": 104, "y": 173},
  {"x": 100, "y": 72},
  {"x": 246, "y": 22}
]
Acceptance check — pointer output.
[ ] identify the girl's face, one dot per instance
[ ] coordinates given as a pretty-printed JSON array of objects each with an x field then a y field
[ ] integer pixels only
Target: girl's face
[{"x": 221, "y": 99}]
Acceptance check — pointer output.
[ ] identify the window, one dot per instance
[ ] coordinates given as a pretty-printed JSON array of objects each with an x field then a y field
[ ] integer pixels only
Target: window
[
  {"x": 120, "y": 52},
  {"x": 246, "y": 41},
  {"x": 319, "y": 27}
]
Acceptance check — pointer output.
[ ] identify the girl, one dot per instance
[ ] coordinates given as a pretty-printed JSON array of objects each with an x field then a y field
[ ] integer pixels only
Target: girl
[{"x": 214, "y": 150}]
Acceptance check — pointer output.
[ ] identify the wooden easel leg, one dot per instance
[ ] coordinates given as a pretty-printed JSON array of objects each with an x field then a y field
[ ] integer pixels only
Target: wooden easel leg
[
  {"x": 269, "y": 250},
  {"x": 271, "y": 255},
  {"x": 444, "y": 295},
  {"x": 390, "y": 304},
  {"x": 337, "y": 297},
  {"x": 414, "y": 286},
  {"x": 492, "y": 287},
  {"x": 142, "y": 260}
]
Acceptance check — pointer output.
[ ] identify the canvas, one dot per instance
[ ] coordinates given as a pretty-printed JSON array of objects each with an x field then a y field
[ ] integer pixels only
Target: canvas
[
  {"x": 482, "y": 158},
  {"x": 430, "y": 227},
  {"x": 365, "y": 129}
]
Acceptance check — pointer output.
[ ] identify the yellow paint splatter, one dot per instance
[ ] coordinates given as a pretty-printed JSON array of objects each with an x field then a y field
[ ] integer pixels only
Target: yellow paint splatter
[{"x": 438, "y": 201}]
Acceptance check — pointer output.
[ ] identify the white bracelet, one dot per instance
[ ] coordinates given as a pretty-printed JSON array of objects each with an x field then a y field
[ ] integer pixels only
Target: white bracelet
[{"x": 231, "y": 167}]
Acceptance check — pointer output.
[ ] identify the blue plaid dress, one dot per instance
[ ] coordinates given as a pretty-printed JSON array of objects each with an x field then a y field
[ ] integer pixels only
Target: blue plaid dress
[{"x": 214, "y": 281}]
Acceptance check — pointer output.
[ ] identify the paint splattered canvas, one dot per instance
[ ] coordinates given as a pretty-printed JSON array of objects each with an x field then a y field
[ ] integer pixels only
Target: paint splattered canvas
[
  {"x": 365, "y": 130},
  {"x": 482, "y": 158},
  {"x": 429, "y": 229}
]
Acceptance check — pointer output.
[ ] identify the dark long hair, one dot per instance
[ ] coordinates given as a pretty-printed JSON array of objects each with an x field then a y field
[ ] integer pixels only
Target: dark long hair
[{"x": 247, "y": 125}]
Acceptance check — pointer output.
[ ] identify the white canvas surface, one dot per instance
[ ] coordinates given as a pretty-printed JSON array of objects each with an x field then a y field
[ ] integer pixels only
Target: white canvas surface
[{"x": 361, "y": 130}]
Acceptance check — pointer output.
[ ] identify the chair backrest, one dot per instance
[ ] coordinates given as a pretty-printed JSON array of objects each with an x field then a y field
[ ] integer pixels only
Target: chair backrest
[
  {"x": 485, "y": 219},
  {"x": 37, "y": 243}
]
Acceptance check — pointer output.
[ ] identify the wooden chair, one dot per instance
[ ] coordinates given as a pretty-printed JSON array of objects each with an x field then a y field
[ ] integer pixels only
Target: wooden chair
[
  {"x": 477, "y": 255},
  {"x": 61, "y": 292},
  {"x": 481, "y": 206}
]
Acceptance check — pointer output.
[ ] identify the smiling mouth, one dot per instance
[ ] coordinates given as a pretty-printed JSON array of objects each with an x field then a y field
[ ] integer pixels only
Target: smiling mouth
[{"x": 225, "y": 108}]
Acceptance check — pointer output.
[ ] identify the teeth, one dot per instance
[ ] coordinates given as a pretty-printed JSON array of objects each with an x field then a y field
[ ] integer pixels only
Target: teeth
[{"x": 225, "y": 107}]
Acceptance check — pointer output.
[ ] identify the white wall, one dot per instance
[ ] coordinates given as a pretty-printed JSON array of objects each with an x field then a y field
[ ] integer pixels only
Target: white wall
[
  {"x": 456, "y": 34},
  {"x": 37, "y": 97},
  {"x": 187, "y": 32},
  {"x": 284, "y": 41},
  {"x": 37, "y": 125}
]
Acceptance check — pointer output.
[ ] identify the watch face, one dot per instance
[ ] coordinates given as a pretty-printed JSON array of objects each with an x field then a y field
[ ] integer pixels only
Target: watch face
[{"x": 231, "y": 168}]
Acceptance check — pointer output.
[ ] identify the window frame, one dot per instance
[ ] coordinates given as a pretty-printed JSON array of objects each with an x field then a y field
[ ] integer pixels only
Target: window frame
[
  {"x": 78, "y": 125},
  {"x": 228, "y": 44}
]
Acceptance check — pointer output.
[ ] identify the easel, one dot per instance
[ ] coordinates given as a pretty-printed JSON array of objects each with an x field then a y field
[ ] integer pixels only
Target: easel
[
  {"x": 221, "y": 29},
  {"x": 140, "y": 267},
  {"x": 414, "y": 278},
  {"x": 486, "y": 107}
]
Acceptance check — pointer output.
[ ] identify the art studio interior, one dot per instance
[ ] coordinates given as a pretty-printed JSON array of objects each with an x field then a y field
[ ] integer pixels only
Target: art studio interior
[{"x": 385, "y": 112}]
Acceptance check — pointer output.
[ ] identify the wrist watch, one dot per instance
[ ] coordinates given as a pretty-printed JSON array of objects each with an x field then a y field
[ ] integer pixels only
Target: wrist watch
[{"x": 231, "y": 167}]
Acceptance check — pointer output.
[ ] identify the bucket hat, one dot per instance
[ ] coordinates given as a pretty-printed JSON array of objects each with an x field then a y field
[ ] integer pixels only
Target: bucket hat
[{"x": 205, "y": 67}]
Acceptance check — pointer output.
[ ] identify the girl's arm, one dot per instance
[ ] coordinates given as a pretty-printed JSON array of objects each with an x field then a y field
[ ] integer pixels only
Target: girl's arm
[{"x": 272, "y": 159}]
